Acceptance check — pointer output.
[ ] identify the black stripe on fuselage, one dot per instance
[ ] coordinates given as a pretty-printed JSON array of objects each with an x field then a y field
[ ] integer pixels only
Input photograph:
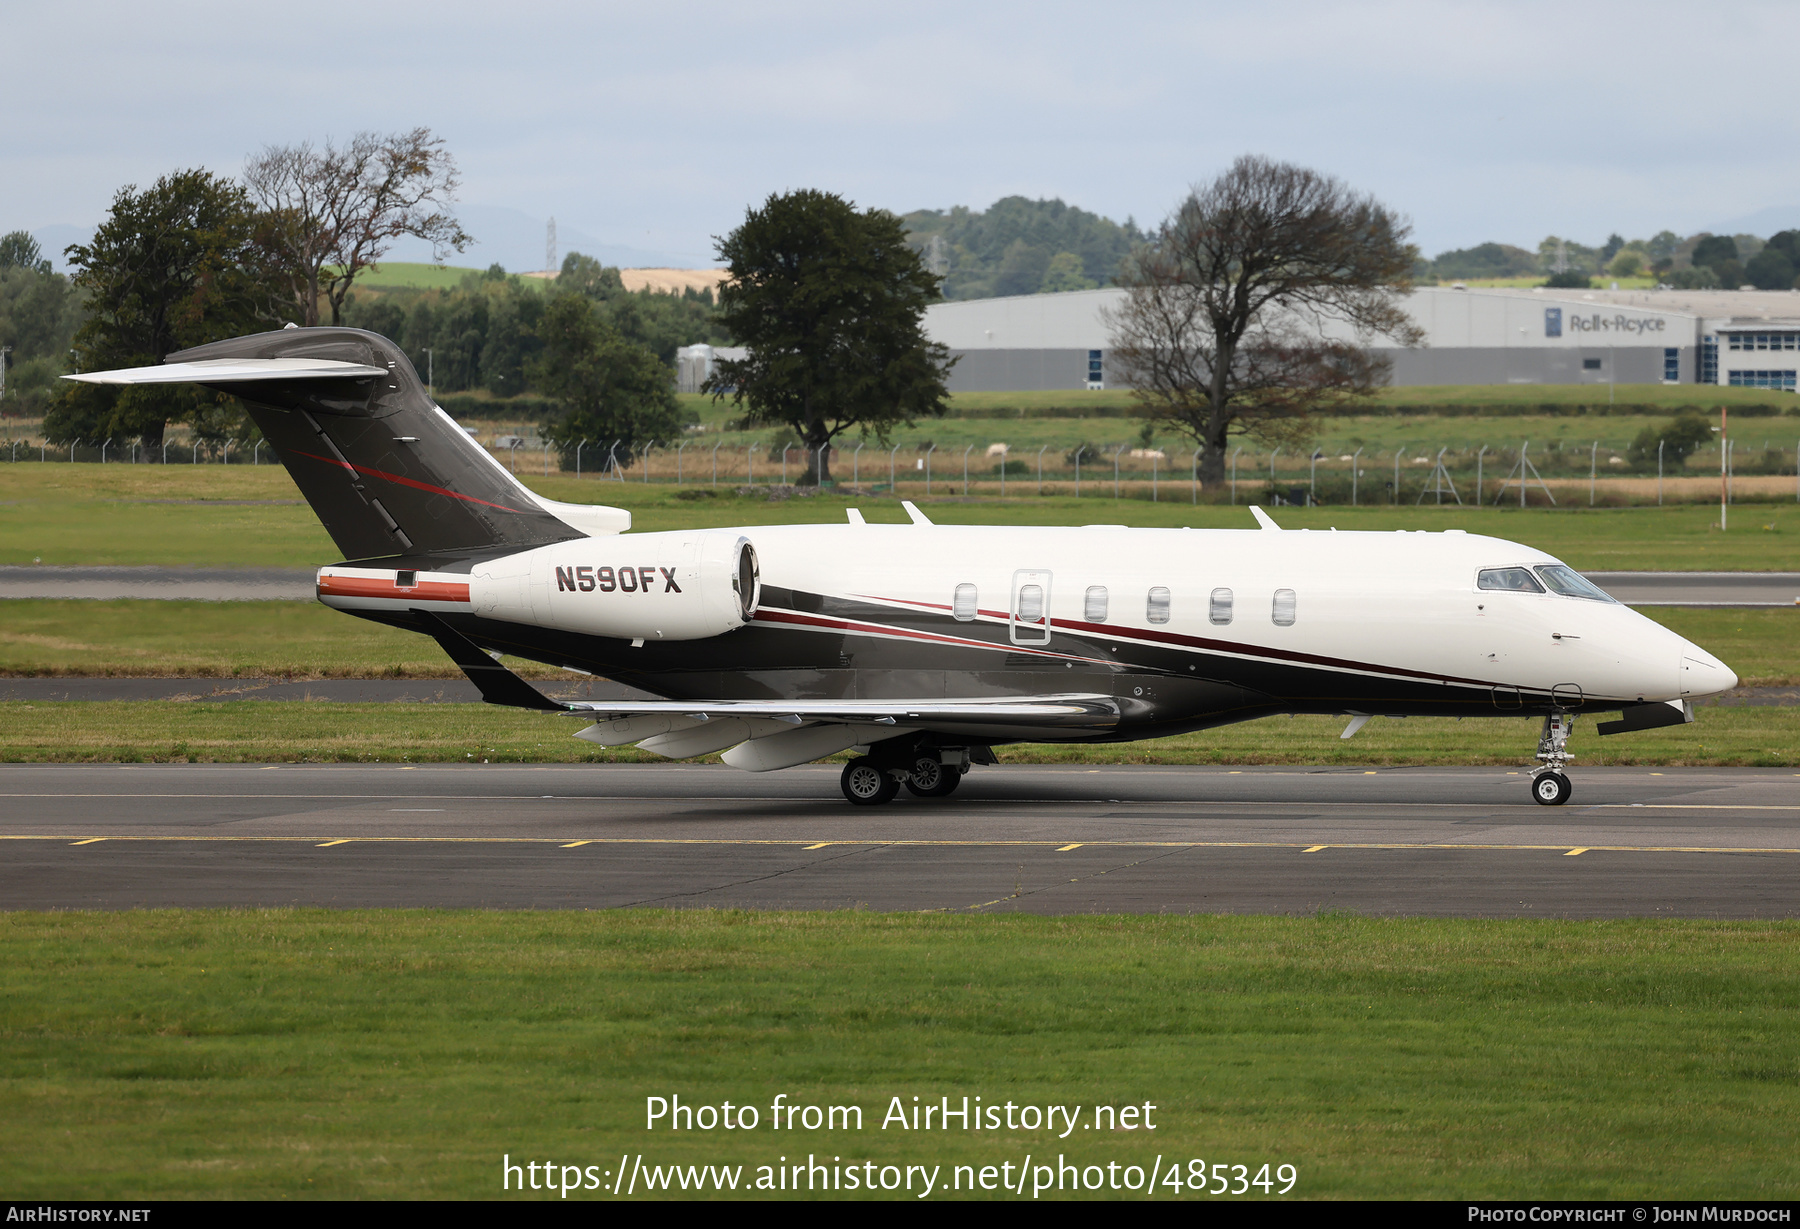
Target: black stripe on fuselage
[{"x": 812, "y": 646}]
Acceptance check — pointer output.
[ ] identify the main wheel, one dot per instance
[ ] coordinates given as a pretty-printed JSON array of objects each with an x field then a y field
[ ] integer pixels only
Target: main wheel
[
  {"x": 867, "y": 785},
  {"x": 932, "y": 778},
  {"x": 1551, "y": 789}
]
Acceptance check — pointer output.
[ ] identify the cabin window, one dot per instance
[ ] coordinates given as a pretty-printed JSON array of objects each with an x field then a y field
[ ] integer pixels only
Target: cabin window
[
  {"x": 1283, "y": 609},
  {"x": 1157, "y": 608},
  {"x": 1511, "y": 580},
  {"x": 1031, "y": 604},
  {"x": 1094, "y": 608},
  {"x": 1219, "y": 609},
  {"x": 964, "y": 605}
]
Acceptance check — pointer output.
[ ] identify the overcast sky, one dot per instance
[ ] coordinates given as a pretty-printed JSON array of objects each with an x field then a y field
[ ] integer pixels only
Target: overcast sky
[{"x": 653, "y": 126}]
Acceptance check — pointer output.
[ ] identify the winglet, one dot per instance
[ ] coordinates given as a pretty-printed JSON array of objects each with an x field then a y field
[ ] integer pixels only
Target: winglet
[
  {"x": 1263, "y": 518},
  {"x": 912, "y": 510}
]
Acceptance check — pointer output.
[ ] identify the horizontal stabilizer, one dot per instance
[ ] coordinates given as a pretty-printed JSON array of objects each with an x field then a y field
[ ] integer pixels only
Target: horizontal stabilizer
[
  {"x": 232, "y": 370},
  {"x": 498, "y": 685}
]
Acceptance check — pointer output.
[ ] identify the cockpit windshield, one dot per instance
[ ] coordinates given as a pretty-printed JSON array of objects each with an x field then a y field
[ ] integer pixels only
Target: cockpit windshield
[
  {"x": 1515, "y": 580},
  {"x": 1570, "y": 583}
]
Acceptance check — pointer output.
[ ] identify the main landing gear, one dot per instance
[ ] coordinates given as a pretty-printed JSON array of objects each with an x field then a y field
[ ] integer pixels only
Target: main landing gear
[
  {"x": 871, "y": 780},
  {"x": 1550, "y": 785}
]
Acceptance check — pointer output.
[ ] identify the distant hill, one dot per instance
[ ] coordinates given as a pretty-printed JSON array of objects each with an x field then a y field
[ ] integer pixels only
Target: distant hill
[{"x": 1020, "y": 246}]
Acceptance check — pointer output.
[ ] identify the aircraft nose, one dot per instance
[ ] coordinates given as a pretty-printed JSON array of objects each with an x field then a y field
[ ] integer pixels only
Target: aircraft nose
[{"x": 1702, "y": 674}]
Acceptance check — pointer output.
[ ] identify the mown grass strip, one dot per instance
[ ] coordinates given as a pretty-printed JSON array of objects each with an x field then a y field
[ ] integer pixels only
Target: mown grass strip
[
  {"x": 294, "y": 1054},
  {"x": 251, "y": 731}
]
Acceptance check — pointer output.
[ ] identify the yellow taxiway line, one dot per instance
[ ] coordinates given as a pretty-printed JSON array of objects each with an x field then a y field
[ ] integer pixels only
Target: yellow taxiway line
[{"x": 805, "y": 844}]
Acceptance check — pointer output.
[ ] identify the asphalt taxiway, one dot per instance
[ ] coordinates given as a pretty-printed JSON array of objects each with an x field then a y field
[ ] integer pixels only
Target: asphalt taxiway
[{"x": 1424, "y": 841}]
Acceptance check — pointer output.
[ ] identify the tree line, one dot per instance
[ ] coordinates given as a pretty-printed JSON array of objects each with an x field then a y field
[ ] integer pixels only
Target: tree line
[
  {"x": 1702, "y": 261},
  {"x": 198, "y": 257},
  {"x": 1019, "y": 246}
]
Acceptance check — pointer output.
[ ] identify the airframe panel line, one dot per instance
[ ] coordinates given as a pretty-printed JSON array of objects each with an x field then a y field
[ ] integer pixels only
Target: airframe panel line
[{"x": 808, "y": 843}]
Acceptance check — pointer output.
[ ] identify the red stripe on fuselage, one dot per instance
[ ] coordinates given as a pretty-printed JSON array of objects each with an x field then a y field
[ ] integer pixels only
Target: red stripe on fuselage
[
  {"x": 373, "y": 586},
  {"x": 904, "y": 633}
]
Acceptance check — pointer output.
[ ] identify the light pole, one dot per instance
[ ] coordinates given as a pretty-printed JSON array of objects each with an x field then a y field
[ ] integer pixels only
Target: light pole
[
  {"x": 579, "y": 445},
  {"x": 647, "y": 448},
  {"x": 103, "y": 450}
]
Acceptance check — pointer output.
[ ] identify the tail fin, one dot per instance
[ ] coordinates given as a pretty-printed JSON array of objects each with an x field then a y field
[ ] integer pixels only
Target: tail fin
[{"x": 386, "y": 470}]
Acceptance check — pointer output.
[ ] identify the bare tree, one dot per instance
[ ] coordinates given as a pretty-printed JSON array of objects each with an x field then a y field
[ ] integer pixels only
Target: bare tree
[
  {"x": 1228, "y": 320},
  {"x": 331, "y": 212}
]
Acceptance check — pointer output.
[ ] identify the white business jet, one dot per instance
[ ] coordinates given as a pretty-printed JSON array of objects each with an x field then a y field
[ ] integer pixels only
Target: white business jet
[{"x": 921, "y": 646}]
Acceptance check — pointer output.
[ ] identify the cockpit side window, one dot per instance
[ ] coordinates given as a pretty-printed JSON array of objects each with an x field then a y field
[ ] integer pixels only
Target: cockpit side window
[
  {"x": 1514, "y": 580},
  {"x": 1567, "y": 581}
]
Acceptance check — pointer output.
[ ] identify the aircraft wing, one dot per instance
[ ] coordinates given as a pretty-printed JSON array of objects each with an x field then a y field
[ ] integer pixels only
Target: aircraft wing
[
  {"x": 232, "y": 371},
  {"x": 1073, "y": 710}
]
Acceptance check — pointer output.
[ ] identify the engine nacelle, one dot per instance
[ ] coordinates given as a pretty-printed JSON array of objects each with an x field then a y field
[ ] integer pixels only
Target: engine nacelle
[{"x": 683, "y": 585}]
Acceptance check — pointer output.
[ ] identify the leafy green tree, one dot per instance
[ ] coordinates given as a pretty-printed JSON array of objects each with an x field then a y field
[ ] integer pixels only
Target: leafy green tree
[
  {"x": 1770, "y": 269},
  {"x": 1680, "y": 438},
  {"x": 1714, "y": 250},
  {"x": 174, "y": 266},
  {"x": 1627, "y": 263},
  {"x": 1485, "y": 260},
  {"x": 1064, "y": 274},
  {"x": 829, "y": 301},
  {"x": 39, "y": 313},
  {"x": 610, "y": 389},
  {"x": 1007, "y": 248},
  {"x": 582, "y": 274},
  {"x": 18, "y": 250},
  {"x": 1570, "y": 279}
]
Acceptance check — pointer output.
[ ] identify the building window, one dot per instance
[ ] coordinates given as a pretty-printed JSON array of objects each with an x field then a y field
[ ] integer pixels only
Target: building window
[
  {"x": 1282, "y": 611},
  {"x": 1096, "y": 370},
  {"x": 1761, "y": 379},
  {"x": 964, "y": 605},
  {"x": 1671, "y": 365},
  {"x": 1553, "y": 322},
  {"x": 1709, "y": 360},
  {"x": 1094, "y": 607},
  {"x": 1156, "y": 609},
  {"x": 1219, "y": 609},
  {"x": 1590, "y": 364}
]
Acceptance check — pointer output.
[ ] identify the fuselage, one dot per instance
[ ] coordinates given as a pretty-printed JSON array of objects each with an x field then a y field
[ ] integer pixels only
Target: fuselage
[{"x": 1183, "y": 628}]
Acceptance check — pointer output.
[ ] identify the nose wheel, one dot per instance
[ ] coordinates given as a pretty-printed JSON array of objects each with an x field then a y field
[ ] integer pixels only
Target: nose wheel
[{"x": 1551, "y": 787}]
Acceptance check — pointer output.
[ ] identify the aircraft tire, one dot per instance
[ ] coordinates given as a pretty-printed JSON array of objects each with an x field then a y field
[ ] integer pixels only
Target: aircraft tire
[
  {"x": 931, "y": 778},
  {"x": 866, "y": 784},
  {"x": 1551, "y": 789}
]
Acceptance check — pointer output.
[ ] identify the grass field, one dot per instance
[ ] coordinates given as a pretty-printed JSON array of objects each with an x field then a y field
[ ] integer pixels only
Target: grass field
[
  {"x": 252, "y": 731},
  {"x": 252, "y": 516},
  {"x": 357, "y": 1054}
]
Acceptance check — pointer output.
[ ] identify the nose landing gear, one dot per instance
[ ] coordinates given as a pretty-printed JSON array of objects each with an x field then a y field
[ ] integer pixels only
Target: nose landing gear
[{"x": 1550, "y": 785}]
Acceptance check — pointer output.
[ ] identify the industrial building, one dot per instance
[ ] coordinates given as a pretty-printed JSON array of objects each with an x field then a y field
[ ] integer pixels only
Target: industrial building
[
  {"x": 1485, "y": 336},
  {"x": 1482, "y": 336}
]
